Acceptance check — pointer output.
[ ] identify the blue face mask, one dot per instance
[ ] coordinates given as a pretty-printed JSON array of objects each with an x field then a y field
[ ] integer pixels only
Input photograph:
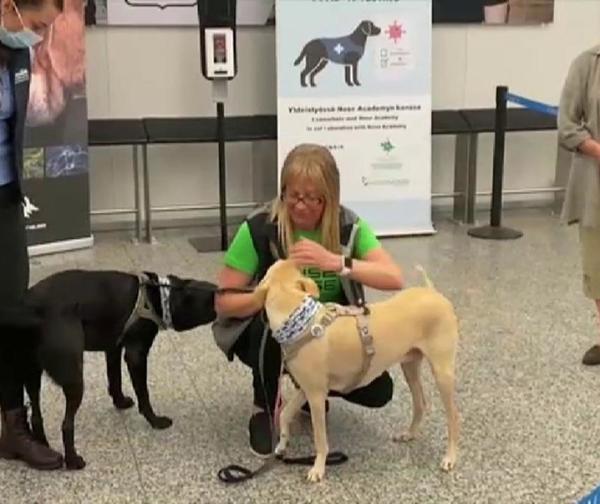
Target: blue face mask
[{"x": 21, "y": 39}]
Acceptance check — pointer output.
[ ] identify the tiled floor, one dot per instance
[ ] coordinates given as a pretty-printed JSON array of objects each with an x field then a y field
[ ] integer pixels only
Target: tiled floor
[{"x": 530, "y": 429}]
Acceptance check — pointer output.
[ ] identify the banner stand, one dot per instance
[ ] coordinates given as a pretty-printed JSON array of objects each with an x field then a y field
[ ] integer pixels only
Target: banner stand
[
  {"x": 55, "y": 146},
  {"x": 63, "y": 246},
  {"x": 360, "y": 84}
]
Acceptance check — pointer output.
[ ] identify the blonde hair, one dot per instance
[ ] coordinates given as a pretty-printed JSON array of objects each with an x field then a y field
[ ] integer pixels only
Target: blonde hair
[{"x": 316, "y": 164}]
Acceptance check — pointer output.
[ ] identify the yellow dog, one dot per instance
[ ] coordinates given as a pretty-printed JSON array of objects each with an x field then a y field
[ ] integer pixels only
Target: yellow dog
[{"x": 326, "y": 347}]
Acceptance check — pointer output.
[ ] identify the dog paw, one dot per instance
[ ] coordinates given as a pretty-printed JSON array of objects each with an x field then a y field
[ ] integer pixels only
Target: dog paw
[
  {"x": 404, "y": 437},
  {"x": 123, "y": 402},
  {"x": 75, "y": 463},
  {"x": 280, "y": 448},
  {"x": 448, "y": 463},
  {"x": 161, "y": 422},
  {"x": 315, "y": 475}
]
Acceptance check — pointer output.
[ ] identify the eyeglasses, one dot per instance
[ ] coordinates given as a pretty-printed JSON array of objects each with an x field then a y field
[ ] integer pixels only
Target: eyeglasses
[{"x": 308, "y": 199}]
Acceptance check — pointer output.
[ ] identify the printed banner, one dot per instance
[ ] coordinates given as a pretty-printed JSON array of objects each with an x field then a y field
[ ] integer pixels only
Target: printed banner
[
  {"x": 56, "y": 178},
  {"x": 170, "y": 12},
  {"x": 361, "y": 84}
]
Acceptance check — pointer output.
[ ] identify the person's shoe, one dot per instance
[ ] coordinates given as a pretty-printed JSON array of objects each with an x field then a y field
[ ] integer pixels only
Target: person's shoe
[
  {"x": 306, "y": 408},
  {"x": 17, "y": 442},
  {"x": 592, "y": 356},
  {"x": 261, "y": 436}
]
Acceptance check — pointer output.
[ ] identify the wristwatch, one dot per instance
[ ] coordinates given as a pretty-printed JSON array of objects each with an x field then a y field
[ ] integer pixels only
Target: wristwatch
[{"x": 346, "y": 266}]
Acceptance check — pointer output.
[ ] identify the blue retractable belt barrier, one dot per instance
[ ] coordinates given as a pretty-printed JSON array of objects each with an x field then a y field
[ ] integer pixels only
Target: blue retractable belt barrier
[
  {"x": 592, "y": 498},
  {"x": 532, "y": 104}
]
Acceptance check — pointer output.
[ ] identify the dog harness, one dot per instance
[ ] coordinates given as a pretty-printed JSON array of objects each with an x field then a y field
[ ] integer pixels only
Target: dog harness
[
  {"x": 312, "y": 318},
  {"x": 339, "y": 49},
  {"x": 143, "y": 308}
]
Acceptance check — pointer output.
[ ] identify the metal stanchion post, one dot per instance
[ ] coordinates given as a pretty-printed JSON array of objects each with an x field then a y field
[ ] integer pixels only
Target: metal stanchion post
[{"x": 495, "y": 231}]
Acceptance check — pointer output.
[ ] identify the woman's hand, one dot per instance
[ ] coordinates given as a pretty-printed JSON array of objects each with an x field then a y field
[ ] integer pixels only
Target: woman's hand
[
  {"x": 309, "y": 253},
  {"x": 590, "y": 148},
  {"x": 377, "y": 269}
]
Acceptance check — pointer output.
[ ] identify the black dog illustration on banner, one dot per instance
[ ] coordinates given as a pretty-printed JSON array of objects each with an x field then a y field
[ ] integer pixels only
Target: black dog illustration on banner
[{"x": 346, "y": 51}]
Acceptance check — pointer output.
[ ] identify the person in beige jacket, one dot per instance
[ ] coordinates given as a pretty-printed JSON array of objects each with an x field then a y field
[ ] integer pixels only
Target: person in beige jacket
[{"x": 579, "y": 132}]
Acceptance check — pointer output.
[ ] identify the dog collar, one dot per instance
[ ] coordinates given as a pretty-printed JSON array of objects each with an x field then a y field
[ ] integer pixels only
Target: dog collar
[
  {"x": 298, "y": 322},
  {"x": 143, "y": 308},
  {"x": 165, "y": 301}
]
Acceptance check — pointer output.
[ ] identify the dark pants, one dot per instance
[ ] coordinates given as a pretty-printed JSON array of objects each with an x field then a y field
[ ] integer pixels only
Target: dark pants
[
  {"x": 374, "y": 395},
  {"x": 14, "y": 279}
]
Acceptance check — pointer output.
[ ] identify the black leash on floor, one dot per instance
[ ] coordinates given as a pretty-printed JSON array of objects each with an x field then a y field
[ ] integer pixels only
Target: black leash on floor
[{"x": 237, "y": 474}]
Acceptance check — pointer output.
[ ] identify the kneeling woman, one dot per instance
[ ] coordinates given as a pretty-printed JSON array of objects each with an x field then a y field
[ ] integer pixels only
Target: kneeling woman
[{"x": 336, "y": 249}]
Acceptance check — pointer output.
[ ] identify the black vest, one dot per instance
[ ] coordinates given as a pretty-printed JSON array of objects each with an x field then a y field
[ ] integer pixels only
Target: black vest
[{"x": 268, "y": 247}]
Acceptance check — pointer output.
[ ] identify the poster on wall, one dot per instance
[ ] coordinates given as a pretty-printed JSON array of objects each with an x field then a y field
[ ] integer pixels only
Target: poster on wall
[
  {"x": 55, "y": 171},
  {"x": 494, "y": 12},
  {"x": 170, "y": 12},
  {"x": 361, "y": 85}
]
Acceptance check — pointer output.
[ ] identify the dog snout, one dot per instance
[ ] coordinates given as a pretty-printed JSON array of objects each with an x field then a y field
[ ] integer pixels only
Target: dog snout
[{"x": 375, "y": 30}]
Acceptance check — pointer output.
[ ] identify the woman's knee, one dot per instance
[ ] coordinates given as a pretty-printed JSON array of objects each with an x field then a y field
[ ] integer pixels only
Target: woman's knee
[
  {"x": 374, "y": 395},
  {"x": 383, "y": 390}
]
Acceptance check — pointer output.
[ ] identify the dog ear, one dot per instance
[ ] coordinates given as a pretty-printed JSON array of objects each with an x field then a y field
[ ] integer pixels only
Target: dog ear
[
  {"x": 309, "y": 286},
  {"x": 261, "y": 289}
]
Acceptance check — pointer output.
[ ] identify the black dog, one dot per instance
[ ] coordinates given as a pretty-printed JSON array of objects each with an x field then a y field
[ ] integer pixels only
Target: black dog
[
  {"x": 104, "y": 311},
  {"x": 346, "y": 50}
]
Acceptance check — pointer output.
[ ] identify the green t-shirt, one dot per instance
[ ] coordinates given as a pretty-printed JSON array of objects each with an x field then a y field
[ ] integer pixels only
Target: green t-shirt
[{"x": 242, "y": 256}]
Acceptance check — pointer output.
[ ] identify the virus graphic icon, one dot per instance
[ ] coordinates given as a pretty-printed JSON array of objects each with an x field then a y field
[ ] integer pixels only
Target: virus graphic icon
[
  {"x": 395, "y": 31},
  {"x": 387, "y": 146}
]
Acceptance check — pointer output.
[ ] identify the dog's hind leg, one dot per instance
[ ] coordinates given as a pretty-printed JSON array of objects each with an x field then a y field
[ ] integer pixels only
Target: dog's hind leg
[
  {"x": 287, "y": 415},
  {"x": 33, "y": 385},
  {"x": 115, "y": 384},
  {"x": 136, "y": 356},
  {"x": 412, "y": 374},
  {"x": 61, "y": 357},
  {"x": 73, "y": 396},
  {"x": 442, "y": 366},
  {"x": 312, "y": 63},
  {"x": 320, "y": 66}
]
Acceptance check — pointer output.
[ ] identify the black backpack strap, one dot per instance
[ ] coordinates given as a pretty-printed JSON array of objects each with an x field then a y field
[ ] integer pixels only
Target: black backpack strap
[
  {"x": 353, "y": 290},
  {"x": 265, "y": 240}
]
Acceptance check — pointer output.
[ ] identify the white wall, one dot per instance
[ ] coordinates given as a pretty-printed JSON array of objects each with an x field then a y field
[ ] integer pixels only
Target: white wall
[{"x": 137, "y": 72}]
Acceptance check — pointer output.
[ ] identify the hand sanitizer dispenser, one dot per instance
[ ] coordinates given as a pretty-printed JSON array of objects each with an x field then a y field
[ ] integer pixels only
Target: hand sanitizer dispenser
[{"x": 217, "y": 19}]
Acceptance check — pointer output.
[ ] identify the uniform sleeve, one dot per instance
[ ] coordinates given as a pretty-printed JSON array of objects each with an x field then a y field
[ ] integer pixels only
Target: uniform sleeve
[
  {"x": 366, "y": 240},
  {"x": 241, "y": 254}
]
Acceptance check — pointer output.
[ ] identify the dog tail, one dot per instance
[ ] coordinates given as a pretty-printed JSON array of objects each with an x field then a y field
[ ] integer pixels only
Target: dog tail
[
  {"x": 428, "y": 281},
  {"x": 301, "y": 57}
]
